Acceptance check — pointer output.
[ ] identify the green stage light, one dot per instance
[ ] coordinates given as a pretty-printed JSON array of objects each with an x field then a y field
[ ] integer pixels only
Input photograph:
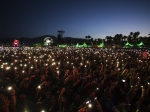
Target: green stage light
[{"x": 101, "y": 44}]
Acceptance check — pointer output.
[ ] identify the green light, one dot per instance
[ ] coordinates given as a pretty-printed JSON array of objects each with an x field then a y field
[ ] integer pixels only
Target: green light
[
  {"x": 77, "y": 45},
  {"x": 84, "y": 45},
  {"x": 63, "y": 45},
  {"x": 128, "y": 44},
  {"x": 140, "y": 44},
  {"x": 37, "y": 44},
  {"x": 101, "y": 44}
]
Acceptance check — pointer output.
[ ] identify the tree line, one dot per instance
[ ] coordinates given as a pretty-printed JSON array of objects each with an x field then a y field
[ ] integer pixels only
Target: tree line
[{"x": 120, "y": 39}]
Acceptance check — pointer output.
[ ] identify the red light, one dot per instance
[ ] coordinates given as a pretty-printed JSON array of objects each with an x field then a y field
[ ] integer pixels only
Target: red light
[{"x": 16, "y": 43}]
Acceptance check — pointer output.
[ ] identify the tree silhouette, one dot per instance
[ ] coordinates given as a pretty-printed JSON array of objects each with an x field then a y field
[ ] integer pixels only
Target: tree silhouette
[
  {"x": 135, "y": 36},
  {"x": 109, "y": 40},
  {"x": 117, "y": 39},
  {"x": 131, "y": 34},
  {"x": 86, "y": 37}
]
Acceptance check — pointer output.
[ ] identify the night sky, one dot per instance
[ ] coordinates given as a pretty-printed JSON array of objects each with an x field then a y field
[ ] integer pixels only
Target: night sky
[{"x": 78, "y": 18}]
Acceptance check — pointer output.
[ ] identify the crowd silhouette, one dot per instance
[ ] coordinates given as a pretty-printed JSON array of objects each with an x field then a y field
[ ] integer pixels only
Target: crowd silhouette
[{"x": 74, "y": 80}]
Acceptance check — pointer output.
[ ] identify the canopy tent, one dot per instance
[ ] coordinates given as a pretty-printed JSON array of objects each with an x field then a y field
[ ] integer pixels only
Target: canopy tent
[
  {"x": 140, "y": 45},
  {"x": 128, "y": 45},
  {"x": 83, "y": 45},
  {"x": 101, "y": 45}
]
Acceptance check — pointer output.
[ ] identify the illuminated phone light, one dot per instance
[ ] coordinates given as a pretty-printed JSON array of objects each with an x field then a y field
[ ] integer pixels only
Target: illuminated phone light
[
  {"x": 43, "y": 111},
  {"x": 7, "y": 68},
  {"x": 123, "y": 80},
  {"x": 87, "y": 102},
  {"x": 9, "y": 88},
  {"x": 148, "y": 83},
  {"x": 39, "y": 87},
  {"x": 95, "y": 98},
  {"x": 57, "y": 72},
  {"x": 90, "y": 105},
  {"x": 2, "y": 66},
  {"x": 141, "y": 86}
]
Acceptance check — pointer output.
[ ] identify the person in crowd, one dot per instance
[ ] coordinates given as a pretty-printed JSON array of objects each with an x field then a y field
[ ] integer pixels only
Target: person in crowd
[{"x": 83, "y": 79}]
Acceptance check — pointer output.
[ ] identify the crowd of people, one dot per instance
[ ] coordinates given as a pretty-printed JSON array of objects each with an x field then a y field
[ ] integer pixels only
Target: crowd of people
[{"x": 74, "y": 80}]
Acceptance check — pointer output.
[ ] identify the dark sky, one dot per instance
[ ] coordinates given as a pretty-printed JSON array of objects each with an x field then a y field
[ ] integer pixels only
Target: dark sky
[{"x": 78, "y": 18}]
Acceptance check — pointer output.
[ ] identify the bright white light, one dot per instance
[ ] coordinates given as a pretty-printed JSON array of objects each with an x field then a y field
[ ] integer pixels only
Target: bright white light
[
  {"x": 9, "y": 88},
  {"x": 7, "y": 68},
  {"x": 57, "y": 71},
  {"x": 48, "y": 41},
  {"x": 90, "y": 105},
  {"x": 39, "y": 87},
  {"x": 123, "y": 80}
]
